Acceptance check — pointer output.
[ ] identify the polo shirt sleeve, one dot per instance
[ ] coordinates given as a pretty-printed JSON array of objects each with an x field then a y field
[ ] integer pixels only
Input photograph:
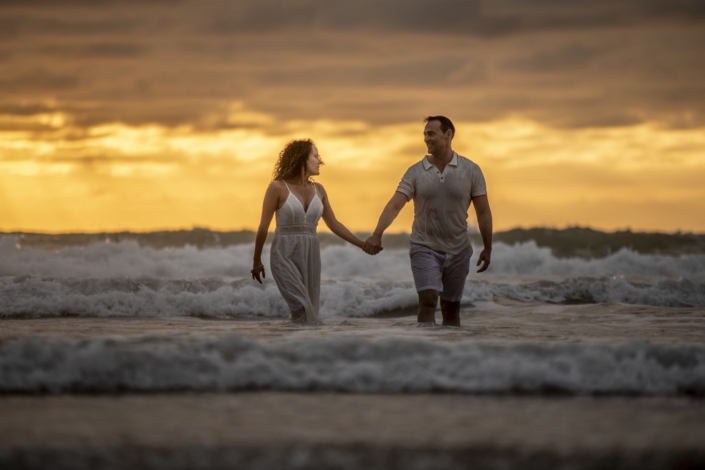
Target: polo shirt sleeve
[
  {"x": 406, "y": 185},
  {"x": 478, "y": 185}
]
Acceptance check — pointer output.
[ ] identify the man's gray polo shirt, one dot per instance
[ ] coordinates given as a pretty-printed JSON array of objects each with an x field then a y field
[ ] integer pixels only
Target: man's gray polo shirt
[{"x": 441, "y": 202}]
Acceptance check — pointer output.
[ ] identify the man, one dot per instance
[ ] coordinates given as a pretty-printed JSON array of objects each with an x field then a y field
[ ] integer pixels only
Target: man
[{"x": 442, "y": 185}]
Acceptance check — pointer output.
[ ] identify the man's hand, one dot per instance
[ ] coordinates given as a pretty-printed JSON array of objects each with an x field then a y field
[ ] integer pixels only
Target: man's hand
[
  {"x": 484, "y": 259},
  {"x": 256, "y": 271},
  {"x": 373, "y": 245}
]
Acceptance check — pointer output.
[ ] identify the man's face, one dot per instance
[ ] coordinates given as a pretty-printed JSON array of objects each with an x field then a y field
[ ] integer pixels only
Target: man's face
[{"x": 436, "y": 141}]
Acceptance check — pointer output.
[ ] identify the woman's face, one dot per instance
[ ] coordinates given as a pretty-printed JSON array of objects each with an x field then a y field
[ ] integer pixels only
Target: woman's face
[{"x": 313, "y": 163}]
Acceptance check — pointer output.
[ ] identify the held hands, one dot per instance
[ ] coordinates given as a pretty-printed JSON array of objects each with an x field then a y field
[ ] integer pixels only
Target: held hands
[
  {"x": 256, "y": 271},
  {"x": 373, "y": 245},
  {"x": 484, "y": 259}
]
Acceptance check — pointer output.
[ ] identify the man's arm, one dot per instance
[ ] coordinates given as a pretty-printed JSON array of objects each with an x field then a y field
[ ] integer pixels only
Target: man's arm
[
  {"x": 484, "y": 220},
  {"x": 373, "y": 244}
]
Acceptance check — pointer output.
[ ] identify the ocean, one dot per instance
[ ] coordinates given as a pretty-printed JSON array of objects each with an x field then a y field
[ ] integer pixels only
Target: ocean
[{"x": 149, "y": 319}]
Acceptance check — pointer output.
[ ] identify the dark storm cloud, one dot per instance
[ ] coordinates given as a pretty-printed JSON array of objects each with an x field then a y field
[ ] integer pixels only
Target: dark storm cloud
[
  {"x": 481, "y": 18},
  {"x": 415, "y": 15},
  {"x": 413, "y": 72},
  {"x": 100, "y": 50},
  {"x": 38, "y": 80},
  {"x": 693, "y": 10},
  {"x": 28, "y": 4},
  {"x": 27, "y": 26},
  {"x": 467, "y": 17},
  {"x": 135, "y": 109},
  {"x": 8, "y": 28},
  {"x": 411, "y": 15},
  {"x": 565, "y": 63},
  {"x": 572, "y": 56},
  {"x": 26, "y": 109}
]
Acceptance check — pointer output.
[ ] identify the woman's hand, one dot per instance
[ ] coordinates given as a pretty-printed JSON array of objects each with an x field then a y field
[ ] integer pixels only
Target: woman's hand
[
  {"x": 275, "y": 194},
  {"x": 256, "y": 271}
]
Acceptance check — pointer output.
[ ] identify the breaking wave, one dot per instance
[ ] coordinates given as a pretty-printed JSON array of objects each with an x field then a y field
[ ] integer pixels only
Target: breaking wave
[
  {"x": 214, "y": 298},
  {"x": 126, "y": 279},
  {"x": 129, "y": 259},
  {"x": 348, "y": 364}
]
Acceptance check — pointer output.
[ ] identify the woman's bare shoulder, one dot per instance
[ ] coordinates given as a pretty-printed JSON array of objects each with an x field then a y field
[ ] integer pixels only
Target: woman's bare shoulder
[
  {"x": 277, "y": 185},
  {"x": 319, "y": 187},
  {"x": 277, "y": 190}
]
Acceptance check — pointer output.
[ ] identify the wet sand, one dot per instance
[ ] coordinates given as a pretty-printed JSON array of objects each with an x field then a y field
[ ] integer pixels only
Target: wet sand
[
  {"x": 318, "y": 430},
  {"x": 279, "y": 430}
]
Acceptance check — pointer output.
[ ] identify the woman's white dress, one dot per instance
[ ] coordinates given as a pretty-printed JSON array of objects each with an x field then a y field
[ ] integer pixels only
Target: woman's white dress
[{"x": 296, "y": 257}]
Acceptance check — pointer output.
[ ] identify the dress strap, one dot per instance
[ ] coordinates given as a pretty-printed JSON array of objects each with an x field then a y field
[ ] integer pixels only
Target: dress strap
[
  {"x": 314, "y": 189},
  {"x": 287, "y": 186}
]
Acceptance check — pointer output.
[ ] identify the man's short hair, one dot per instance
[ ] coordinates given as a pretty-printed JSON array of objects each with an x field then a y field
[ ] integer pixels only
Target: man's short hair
[{"x": 445, "y": 123}]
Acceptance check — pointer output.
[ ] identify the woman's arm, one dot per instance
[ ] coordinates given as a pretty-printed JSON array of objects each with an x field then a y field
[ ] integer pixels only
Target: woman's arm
[
  {"x": 333, "y": 224},
  {"x": 269, "y": 207}
]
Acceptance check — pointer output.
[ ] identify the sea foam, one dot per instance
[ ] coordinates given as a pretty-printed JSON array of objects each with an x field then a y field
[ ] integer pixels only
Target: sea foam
[
  {"x": 129, "y": 259},
  {"x": 125, "y": 279},
  {"x": 348, "y": 364},
  {"x": 214, "y": 298}
]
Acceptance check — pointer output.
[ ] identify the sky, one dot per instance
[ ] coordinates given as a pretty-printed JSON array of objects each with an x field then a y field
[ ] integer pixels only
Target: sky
[{"x": 160, "y": 114}]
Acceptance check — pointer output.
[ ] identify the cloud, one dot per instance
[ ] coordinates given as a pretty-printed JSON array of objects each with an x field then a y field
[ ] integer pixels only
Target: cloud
[
  {"x": 25, "y": 109},
  {"x": 465, "y": 17},
  {"x": 98, "y": 50},
  {"x": 179, "y": 101},
  {"x": 41, "y": 24},
  {"x": 571, "y": 64},
  {"x": 409, "y": 15},
  {"x": 8, "y": 28},
  {"x": 154, "y": 176},
  {"x": 572, "y": 56},
  {"x": 60, "y": 4},
  {"x": 478, "y": 18},
  {"x": 38, "y": 80},
  {"x": 687, "y": 10}
]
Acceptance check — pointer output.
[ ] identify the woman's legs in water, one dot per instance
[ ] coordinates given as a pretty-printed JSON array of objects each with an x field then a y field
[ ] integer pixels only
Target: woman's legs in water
[{"x": 298, "y": 315}]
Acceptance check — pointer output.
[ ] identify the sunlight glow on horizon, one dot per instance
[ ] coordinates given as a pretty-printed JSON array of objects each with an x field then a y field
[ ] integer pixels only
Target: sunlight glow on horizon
[{"x": 59, "y": 178}]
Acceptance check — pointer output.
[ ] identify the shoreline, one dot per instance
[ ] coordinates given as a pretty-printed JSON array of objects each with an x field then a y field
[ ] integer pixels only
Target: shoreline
[{"x": 326, "y": 430}]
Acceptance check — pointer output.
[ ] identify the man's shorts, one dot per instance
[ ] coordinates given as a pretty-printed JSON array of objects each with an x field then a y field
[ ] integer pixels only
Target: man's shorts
[{"x": 440, "y": 271}]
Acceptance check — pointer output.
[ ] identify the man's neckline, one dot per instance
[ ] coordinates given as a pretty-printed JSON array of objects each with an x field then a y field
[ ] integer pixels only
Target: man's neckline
[{"x": 427, "y": 163}]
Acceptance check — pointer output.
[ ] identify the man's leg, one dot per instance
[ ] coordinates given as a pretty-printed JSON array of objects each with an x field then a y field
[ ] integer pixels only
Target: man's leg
[
  {"x": 426, "y": 266},
  {"x": 455, "y": 271},
  {"x": 451, "y": 313},
  {"x": 428, "y": 299}
]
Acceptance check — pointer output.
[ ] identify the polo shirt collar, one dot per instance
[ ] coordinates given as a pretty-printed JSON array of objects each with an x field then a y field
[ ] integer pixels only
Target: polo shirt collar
[{"x": 453, "y": 161}]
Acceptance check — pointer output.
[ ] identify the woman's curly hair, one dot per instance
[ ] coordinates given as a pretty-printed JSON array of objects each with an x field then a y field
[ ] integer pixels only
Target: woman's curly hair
[{"x": 292, "y": 159}]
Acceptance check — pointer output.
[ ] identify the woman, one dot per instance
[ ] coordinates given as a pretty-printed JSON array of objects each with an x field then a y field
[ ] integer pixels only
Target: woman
[{"x": 298, "y": 203}]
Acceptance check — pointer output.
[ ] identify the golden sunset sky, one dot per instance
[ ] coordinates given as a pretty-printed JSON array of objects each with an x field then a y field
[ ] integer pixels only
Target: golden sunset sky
[{"x": 146, "y": 115}]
